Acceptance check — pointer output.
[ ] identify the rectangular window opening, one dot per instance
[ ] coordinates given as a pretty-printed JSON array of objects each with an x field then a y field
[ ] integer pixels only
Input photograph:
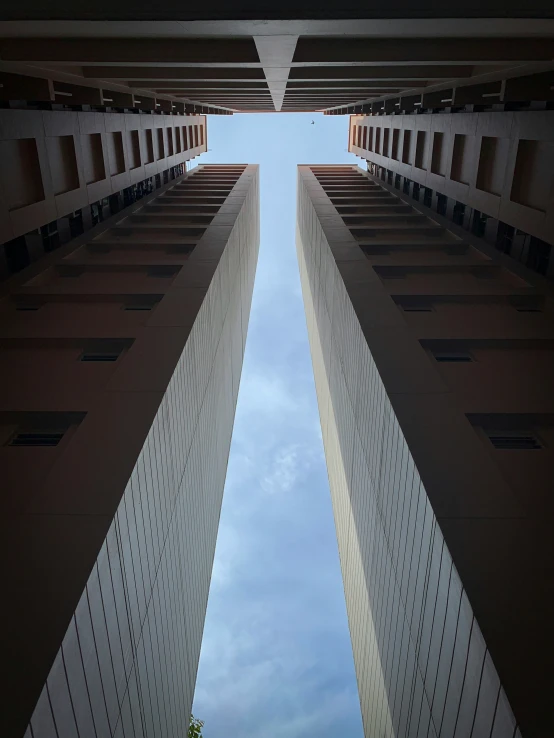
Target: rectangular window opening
[
  {"x": 98, "y": 356},
  {"x": 517, "y": 440},
  {"x": 458, "y": 357},
  {"x": 36, "y": 438}
]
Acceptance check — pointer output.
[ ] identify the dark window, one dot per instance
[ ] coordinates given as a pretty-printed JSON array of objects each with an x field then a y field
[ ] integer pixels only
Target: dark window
[
  {"x": 76, "y": 227},
  {"x": 50, "y": 236},
  {"x": 115, "y": 203},
  {"x": 36, "y": 438},
  {"x": 453, "y": 356},
  {"x": 442, "y": 202},
  {"x": 458, "y": 213},
  {"x": 17, "y": 254},
  {"x": 478, "y": 223},
  {"x": 514, "y": 440},
  {"x": 504, "y": 237},
  {"x": 98, "y": 356},
  {"x": 538, "y": 256}
]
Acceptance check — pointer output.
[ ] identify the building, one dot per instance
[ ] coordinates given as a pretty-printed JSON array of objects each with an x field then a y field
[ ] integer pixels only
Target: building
[
  {"x": 433, "y": 360},
  {"x": 64, "y": 171},
  {"x": 490, "y": 171},
  {"x": 156, "y": 63},
  {"x": 219, "y": 58},
  {"x": 121, "y": 359}
]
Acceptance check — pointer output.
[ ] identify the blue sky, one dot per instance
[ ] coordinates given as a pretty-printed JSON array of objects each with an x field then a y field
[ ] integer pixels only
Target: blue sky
[{"x": 276, "y": 658}]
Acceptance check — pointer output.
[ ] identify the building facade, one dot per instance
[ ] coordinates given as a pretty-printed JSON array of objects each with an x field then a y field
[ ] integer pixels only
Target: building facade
[
  {"x": 64, "y": 171},
  {"x": 492, "y": 172},
  {"x": 433, "y": 358},
  {"x": 121, "y": 359}
]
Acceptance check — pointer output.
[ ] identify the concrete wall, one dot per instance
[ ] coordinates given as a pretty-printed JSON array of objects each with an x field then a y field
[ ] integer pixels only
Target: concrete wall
[
  {"x": 443, "y": 538},
  {"x": 55, "y": 162},
  {"x": 108, "y": 537},
  {"x": 502, "y": 164}
]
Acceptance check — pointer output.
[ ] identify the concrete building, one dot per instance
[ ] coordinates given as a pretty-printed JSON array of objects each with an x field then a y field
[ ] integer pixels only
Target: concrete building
[
  {"x": 492, "y": 172},
  {"x": 121, "y": 359},
  {"x": 64, "y": 171},
  {"x": 433, "y": 360}
]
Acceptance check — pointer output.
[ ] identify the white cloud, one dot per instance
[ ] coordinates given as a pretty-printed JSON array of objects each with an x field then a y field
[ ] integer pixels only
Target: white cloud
[{"x": 288, "y": 466}]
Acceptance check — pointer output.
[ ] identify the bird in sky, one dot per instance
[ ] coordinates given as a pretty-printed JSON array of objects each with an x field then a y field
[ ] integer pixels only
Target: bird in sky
[{"x": 313, "y": 121}]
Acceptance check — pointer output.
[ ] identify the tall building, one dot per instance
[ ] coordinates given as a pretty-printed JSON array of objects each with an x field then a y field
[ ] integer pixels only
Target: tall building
[
  {"x": 121, "y": 359},
  {"x": 433, "y": 360}
]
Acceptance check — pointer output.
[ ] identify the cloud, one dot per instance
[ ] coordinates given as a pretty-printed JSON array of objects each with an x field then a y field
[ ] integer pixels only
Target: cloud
[{"x": 287, "y": 466}]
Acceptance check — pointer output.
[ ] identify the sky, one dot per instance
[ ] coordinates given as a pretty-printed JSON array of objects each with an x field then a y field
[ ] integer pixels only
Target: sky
[{"x": 276, "y": 659}]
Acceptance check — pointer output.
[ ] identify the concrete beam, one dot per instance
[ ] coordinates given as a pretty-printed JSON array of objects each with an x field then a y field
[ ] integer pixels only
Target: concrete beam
[
  {"x": 79, "y": 51},
  {"x": 276, "y": 54},
  {"x": 219, "y": 74},
  {"x": 287, "y": 10},
  {"x": 417, "y": 51},
  {"x": 208, "y": 86},
  {"x": 387, "y": 73}
]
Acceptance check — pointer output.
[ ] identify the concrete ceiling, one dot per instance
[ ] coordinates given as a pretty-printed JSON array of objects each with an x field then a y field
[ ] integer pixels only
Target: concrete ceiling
[{"x": 267, "y": 65}]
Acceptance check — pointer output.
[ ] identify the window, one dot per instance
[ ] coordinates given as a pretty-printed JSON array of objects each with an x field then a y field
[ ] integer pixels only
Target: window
[
  {"x": 538, "y": 256},
  {"x": 442, "y": 204},
  {"x": 395, "y": 141},
  {"x": 504, "y": 440},
  {"x": 458, "y": 213},
  {"x": 406, "y": 143},
  {"x": 17, "y": 254},
  {"x": 421, "y": 149},
  {"x": 161, "y": 150},
  {"x": 36, "y": 438},
  {"x": 458, "y": 357},
  {"x": 99, "y": 356}
]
